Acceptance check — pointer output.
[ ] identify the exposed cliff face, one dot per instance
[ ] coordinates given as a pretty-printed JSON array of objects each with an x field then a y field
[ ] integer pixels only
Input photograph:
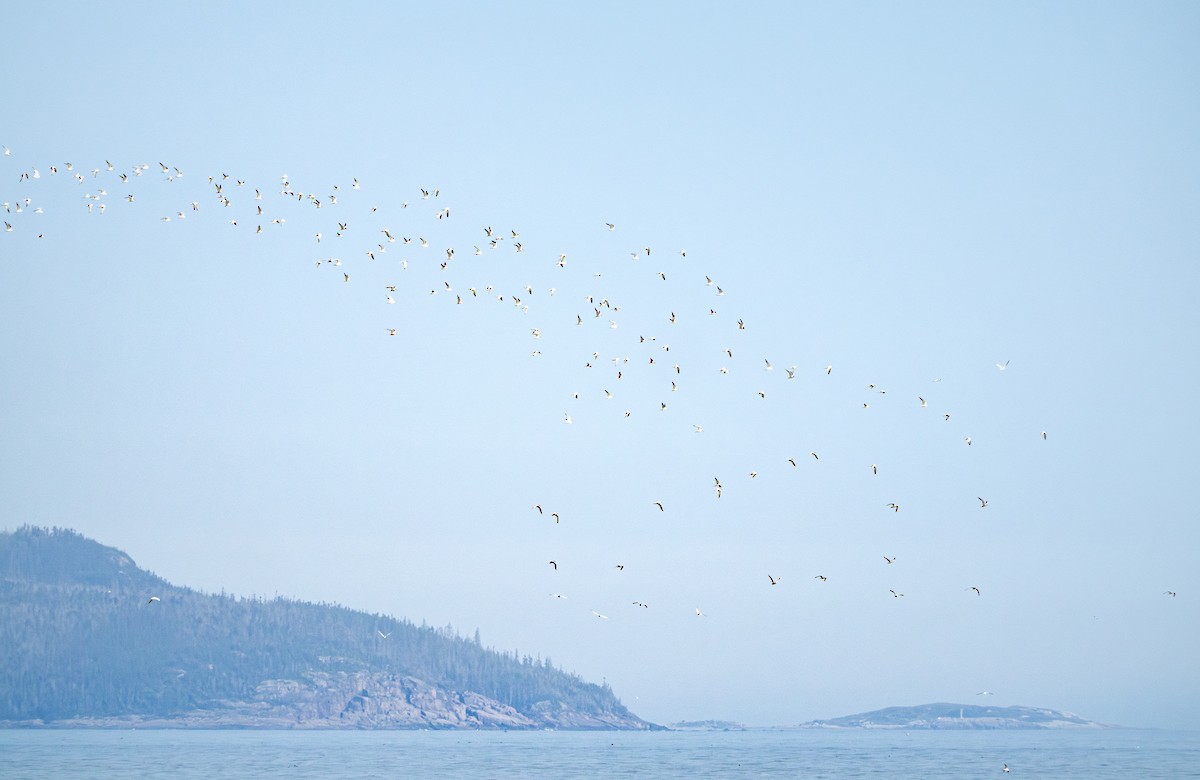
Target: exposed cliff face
[{"x": 342, "y": 700}]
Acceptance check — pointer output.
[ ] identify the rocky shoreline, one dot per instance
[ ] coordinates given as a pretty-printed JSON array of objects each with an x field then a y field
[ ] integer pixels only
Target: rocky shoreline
[{"x": 344, "y": 700}]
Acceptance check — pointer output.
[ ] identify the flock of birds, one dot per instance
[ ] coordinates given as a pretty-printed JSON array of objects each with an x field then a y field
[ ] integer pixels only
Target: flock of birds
[{"x": 356, "y": 239}]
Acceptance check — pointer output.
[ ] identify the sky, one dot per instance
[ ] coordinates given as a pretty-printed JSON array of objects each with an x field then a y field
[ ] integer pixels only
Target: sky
[{"x": 921, "y": 254}]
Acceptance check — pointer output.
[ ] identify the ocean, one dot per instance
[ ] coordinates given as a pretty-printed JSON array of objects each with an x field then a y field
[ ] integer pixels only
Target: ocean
[{"x": 220, "y": 755}]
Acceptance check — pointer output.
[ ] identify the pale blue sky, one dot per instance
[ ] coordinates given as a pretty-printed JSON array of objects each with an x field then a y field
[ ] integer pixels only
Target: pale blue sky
[{"x": 909, "y": 192}]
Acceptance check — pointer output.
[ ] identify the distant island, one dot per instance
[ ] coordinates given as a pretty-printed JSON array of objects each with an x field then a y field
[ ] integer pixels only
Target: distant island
[
  {"x": 957, "y": 716},
  {"x": 707, "y": 725},
  {"x": 91, "y": 640}
]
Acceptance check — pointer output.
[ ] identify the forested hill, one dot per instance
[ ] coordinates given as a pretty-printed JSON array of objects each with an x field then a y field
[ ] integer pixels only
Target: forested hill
[{"x": 83, "y": 644}]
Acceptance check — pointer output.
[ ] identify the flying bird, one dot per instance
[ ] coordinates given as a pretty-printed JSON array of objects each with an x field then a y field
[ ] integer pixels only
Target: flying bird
[
  {"x": 773, "y": 580},
  {"x": 982, "y": 502},
  {"x": 555, "y": 565},
  {"x": 383, "y": 635},
  {"x": 153, "y": 599}
]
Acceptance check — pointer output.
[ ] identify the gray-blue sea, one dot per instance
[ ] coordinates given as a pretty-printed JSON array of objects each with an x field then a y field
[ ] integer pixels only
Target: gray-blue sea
[{"x": 217, "y": 755}]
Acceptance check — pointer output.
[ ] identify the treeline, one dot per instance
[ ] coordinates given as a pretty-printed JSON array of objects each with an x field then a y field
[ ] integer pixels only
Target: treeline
[{"x": 79, "y": 638}]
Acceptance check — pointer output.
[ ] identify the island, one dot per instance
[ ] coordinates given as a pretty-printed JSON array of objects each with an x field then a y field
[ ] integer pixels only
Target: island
[{"x": 957, "y": 716}]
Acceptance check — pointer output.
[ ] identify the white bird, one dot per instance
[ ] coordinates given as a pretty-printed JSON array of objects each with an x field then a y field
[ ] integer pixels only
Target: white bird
[
  {"x": 1003, "y": 365},
  {"x": 383, "y": 635},
  {"x": 699, "y": 613},
  {"x": 153, "y": 599},
  {"x": 597, "y": 614}
]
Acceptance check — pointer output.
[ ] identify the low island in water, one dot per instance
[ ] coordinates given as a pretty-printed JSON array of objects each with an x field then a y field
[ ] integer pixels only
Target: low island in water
[{"x": 957, "y": 716}]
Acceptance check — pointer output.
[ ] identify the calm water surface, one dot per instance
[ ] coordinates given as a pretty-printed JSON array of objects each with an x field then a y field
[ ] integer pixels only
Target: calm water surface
[{"x": 216, "y": 755}]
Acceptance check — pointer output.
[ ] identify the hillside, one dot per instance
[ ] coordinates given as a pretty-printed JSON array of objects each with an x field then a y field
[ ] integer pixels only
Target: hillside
[
  {"x": 85, "y": 645},
  {"x": 957, "y": 716}
]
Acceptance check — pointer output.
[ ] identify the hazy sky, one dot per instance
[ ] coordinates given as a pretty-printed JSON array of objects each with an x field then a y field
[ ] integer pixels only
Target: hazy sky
[{"x": 909, "y": 193}]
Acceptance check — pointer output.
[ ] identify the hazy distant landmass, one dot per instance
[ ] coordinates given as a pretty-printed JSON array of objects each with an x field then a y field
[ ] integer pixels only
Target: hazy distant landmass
[
  {"x": 957, "y": 716},
  {"x": 85, "y": 645},
  {"x": 707, "y": 725}
]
